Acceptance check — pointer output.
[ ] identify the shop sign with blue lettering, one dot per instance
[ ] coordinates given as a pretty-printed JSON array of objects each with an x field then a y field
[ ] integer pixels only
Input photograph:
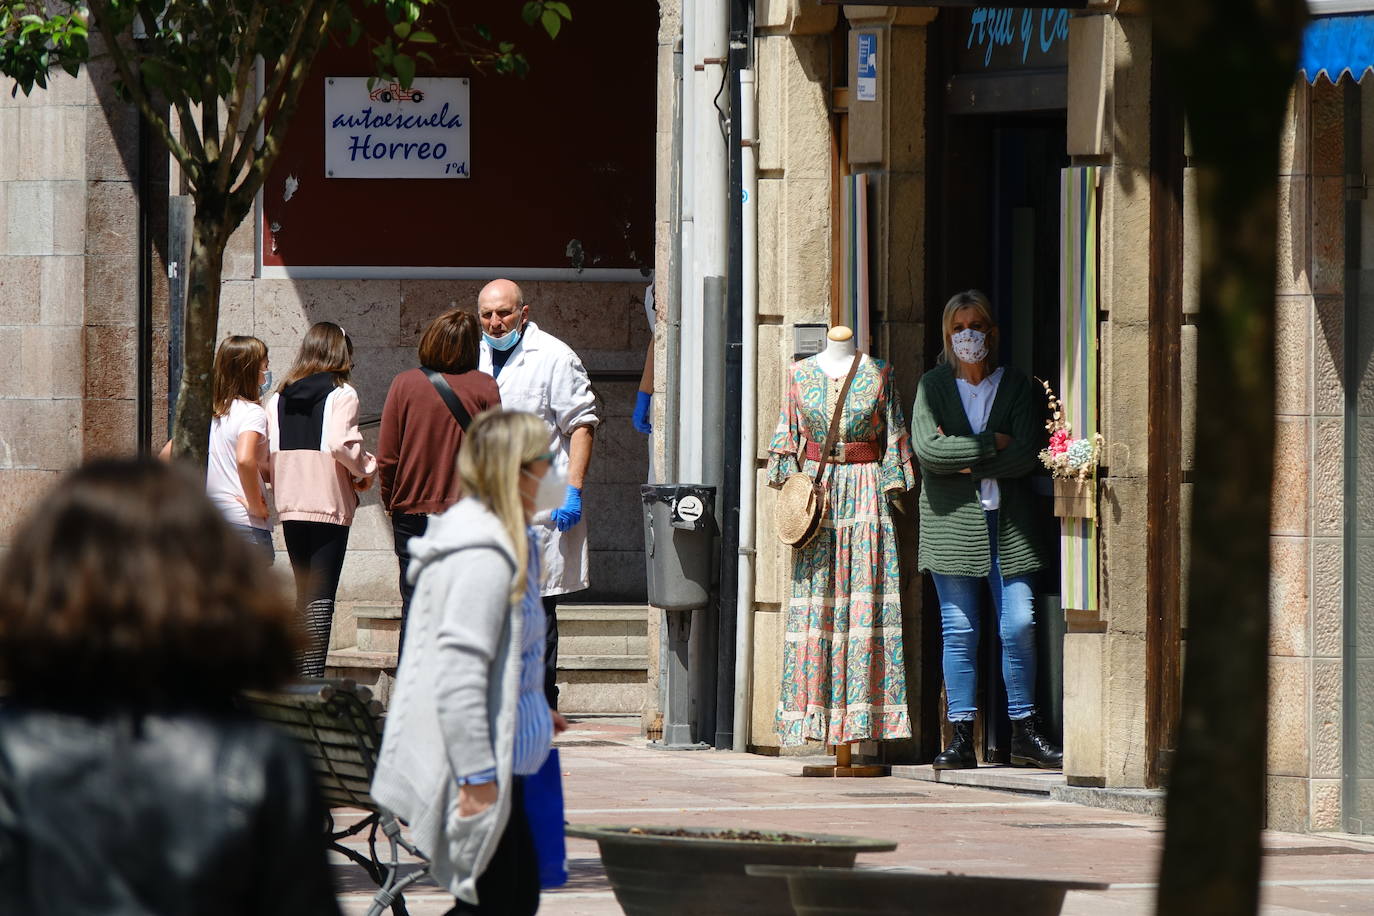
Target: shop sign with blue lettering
[
  {"x": 386, "y": 131},
  {"x": 868, "y": 67}
]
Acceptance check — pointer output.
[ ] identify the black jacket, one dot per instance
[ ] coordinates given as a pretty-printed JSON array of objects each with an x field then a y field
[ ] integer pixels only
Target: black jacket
[{"x": 133, "y": 814}]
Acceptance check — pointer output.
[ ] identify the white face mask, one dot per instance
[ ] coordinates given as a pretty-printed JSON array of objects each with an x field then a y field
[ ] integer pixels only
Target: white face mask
[
  {"x": 553, "y": 488},
  {"x": 970, "y": 345}
]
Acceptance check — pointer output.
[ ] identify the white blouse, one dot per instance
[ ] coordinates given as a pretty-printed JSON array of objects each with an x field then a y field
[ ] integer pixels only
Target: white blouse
[{"x": 977, "y": 400}]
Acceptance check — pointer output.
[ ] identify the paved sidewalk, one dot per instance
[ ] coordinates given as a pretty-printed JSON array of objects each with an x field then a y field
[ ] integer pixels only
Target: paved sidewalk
[{"x": 610, "y": 777}]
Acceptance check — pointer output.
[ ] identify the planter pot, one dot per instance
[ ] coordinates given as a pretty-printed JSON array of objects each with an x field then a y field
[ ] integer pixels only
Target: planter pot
[
  {"x": 1075, "y": 498},
  {"x": 909, "y": 892},
  {"x": 696, "y": 876}
]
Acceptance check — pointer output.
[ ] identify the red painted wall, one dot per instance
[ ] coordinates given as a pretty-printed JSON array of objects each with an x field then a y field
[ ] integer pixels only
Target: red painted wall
[{"x": 565, "y": 153}]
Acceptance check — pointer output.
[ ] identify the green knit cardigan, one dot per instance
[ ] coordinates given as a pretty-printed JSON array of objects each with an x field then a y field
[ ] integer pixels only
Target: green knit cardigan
[{"x": 954, "y": 533}]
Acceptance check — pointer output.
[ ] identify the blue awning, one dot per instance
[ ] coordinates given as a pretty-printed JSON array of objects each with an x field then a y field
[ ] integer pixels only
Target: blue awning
[{"x": 1337, "y": 45}]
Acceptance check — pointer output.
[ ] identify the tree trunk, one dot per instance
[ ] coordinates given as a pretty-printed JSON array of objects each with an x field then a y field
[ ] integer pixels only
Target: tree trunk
[
  {"x": 1234, "y": 61},
  {"x": 191, "y": 426}
]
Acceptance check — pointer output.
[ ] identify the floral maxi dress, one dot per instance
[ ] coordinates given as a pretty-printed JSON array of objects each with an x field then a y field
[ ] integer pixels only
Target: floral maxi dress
[{"x": 843, "y": 675}]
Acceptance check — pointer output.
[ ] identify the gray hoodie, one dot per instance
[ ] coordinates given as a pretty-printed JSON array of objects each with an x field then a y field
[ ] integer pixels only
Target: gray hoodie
[{"x": 452, "y": 712}]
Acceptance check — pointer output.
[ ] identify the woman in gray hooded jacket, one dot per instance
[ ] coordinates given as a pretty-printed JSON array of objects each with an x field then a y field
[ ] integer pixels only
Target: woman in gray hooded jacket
[{"x": 469, "y": 719}]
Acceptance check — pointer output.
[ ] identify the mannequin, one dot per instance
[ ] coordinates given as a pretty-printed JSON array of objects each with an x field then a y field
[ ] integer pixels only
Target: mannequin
[
  {"x": 838, "y": 353},
  {"x": 843, "y": 676}
]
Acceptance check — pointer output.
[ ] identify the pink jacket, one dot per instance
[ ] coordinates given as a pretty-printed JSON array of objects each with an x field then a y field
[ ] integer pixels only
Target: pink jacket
[{"x": 316, "y": 451}]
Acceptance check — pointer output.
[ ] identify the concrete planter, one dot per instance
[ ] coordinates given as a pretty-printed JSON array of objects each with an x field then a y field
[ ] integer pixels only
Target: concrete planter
[
  {"x": 901, "y": 892},
  {"x": 698, "y": 876}
]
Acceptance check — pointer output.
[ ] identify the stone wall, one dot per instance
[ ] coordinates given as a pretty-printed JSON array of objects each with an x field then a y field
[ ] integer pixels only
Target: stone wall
[
  {"x": 1104, "y": 672},
  {"x": 68, "y": 285},
  {"x": 794, "y": 220},
  {"x": 1305, "y": 710}
]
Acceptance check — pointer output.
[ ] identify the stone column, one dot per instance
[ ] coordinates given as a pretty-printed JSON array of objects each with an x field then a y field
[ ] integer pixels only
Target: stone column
[
  {"x": 794, "y": 219},
  {"x": 68, "y": 284},
  {"x": 1104, "y": 672},
  {"x": 887, "y": 140}
]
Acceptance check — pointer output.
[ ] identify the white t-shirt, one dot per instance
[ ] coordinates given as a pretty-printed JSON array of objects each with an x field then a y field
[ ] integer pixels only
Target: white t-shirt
[
  {"x": 977, "y": 400},
  {"x": 222, "y": 470}
]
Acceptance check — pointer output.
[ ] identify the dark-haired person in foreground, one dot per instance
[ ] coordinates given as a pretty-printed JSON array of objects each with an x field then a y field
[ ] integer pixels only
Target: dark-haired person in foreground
[{"x": 130, "y": 616}]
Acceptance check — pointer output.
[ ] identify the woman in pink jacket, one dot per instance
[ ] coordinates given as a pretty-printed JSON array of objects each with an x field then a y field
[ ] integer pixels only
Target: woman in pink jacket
[{"x": 318, "y": 467}]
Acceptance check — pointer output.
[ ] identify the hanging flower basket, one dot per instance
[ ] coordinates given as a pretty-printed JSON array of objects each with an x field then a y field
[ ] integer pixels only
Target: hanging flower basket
[{"x": 1075, "y": 498}]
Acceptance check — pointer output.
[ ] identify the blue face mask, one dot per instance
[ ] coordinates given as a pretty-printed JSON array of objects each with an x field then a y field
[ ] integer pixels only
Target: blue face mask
[
  {"x": 266, "y": 385},
  {"x": 503, "y": 343}
]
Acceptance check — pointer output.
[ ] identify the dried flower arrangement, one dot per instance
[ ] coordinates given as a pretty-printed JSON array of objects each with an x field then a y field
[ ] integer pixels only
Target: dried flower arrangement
[{"x": 1066, "y": 457}]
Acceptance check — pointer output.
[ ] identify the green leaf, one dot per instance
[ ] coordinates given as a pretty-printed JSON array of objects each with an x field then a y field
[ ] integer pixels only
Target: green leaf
[
  {"x": 484, "y": 32},
  {"x": 402, "y": 30},
  {"x": 424, "y": 38},
  {"x": 531, "y": 11},
  {"x": 551, "y": 23},
  {"x": 561, "y": 9},
  {"x": 405, "y": 69}
]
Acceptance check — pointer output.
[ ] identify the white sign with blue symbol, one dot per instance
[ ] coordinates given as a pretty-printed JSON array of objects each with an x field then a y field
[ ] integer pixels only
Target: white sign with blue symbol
[
  {"x": 386, "y": 131},
  {"x": 867, "y": 87}
]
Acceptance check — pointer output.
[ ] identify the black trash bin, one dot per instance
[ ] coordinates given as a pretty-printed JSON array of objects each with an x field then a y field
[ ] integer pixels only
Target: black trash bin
[{"x": 679, "y": 528}]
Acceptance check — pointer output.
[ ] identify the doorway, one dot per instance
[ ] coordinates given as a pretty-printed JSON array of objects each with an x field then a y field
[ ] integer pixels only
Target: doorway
[{"x": 995, "y": 226}]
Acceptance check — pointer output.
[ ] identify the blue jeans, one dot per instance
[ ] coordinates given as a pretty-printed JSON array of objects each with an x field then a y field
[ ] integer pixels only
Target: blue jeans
[
  {"x": 961, "y": 599},
  {"x": 259, "y": 538}
]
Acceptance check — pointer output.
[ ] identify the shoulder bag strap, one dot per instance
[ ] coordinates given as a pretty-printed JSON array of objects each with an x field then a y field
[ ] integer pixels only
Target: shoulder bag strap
[
  {"x": 451, "y": 401},
  {"x": 835, "y": 418}
]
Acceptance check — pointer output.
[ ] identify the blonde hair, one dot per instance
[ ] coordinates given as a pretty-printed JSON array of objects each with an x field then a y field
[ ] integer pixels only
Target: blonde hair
[
  {"x": 496, "y": 448},
  {"x": 237, "y": 371},
  {"x": 326, "y": 348},
  {"x": 978, "y": 301}
]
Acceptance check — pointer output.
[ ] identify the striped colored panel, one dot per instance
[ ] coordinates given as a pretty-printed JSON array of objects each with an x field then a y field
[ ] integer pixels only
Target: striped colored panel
[
  {"x": 854, "y": 257},
  {"x": 1078, "y": 367}
]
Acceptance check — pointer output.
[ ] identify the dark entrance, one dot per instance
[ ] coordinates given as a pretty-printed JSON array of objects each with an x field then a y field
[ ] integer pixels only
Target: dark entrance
[{"x": 997, "y": 145}]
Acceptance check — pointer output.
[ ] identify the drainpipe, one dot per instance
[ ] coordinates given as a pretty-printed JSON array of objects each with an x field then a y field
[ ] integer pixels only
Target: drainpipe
[
  {"x": 144, "y": 403},
  {"x": 744, "y": 598},
  {"x": 711, "y": 101},
  {"x": 672, "y": 394},
  {"x": 689, "y": 404}
]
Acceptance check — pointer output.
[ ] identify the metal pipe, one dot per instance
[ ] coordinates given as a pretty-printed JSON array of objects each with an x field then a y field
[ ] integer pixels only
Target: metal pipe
[
  {"x": 672, "y": 395},
  {"x": 689, "y": 363},
  {"x": 144, "y": 403},
  {"x": 744, "y": 597}
]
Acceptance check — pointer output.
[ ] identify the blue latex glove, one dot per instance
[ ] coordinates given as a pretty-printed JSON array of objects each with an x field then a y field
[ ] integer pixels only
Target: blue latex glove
[
  {"x": 641, "y": 417},
  {"x": 570, "y": 513}
]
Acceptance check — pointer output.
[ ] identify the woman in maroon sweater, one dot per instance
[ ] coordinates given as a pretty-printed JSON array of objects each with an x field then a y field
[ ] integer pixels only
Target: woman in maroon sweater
[{"x": 417, "y": 453}]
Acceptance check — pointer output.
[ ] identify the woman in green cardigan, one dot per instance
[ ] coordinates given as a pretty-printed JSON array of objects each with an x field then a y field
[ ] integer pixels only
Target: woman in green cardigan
[{"x": 975, "y": 434}]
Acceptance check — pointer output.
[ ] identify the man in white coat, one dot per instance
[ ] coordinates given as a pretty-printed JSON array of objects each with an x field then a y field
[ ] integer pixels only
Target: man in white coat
[{"x": 537, "y": 372}]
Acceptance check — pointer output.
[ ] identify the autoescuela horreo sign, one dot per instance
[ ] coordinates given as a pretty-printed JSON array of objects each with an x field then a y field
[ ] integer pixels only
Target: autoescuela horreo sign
[{"x": 386, "y": 131}]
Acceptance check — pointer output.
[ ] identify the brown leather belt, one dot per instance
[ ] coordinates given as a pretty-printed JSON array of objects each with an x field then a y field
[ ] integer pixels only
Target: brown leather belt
[{"x": 846, "y": 452}]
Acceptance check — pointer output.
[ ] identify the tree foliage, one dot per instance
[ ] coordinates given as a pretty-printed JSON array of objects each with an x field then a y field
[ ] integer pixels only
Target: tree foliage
[{"x": 191, "y": 66}]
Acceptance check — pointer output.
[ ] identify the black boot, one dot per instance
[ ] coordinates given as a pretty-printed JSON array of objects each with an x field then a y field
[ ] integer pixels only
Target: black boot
[
  {"x": 1029, "y": 748},
  {"x": 959, "y": 755}
]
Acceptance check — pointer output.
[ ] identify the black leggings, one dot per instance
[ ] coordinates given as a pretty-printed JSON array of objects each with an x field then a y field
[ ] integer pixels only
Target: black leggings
[{"x": 317, "y": 553}]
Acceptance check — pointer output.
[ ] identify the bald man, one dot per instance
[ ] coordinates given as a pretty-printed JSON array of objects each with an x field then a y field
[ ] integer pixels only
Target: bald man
[{"x": 538, "y": 373}]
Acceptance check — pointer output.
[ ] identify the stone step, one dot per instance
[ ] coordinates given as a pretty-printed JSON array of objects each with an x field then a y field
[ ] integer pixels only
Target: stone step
[
  {"x": 567, "y": 662},
  {"x": 374, "y": 670},
  {"x": 377, "y": 611},
  {"x": 626, "y": 612},
  {"x": 379, "y": 634},
  {"x": 358, "y": 658}
]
